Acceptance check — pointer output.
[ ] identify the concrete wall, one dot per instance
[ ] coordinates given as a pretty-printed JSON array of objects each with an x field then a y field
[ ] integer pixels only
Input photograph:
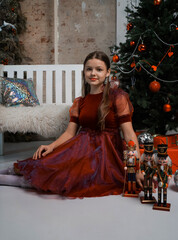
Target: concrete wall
[
  {"x": 83, "y": 26},
  {"x": 38, "y": 39}
]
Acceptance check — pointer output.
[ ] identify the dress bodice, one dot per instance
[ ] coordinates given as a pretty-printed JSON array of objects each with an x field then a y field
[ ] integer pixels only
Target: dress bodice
[{"x": 85, "y": 110}]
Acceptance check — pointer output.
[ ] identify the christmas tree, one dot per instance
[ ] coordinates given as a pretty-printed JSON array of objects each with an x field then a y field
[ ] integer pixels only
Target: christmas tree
[
  {"x": 12, "y": 24},
  {"x": 147, "y": 64}
]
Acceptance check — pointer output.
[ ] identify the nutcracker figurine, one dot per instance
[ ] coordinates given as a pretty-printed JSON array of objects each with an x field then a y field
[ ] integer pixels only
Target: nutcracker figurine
[
  {"x": 131, "y": 163},
  {"x": 163, "y": 175},
  {"x": 147, "y": 165}
]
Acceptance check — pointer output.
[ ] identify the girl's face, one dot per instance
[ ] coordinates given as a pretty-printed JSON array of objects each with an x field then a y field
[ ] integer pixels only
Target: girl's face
[{"x": 95, "y": 72}]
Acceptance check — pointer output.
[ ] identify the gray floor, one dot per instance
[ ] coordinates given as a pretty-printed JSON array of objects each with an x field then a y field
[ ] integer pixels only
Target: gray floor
[{"x": 26, "y": 214}]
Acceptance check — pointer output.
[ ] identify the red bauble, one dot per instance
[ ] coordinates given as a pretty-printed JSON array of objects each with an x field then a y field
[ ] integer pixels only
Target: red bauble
[
  {"x": 129, "y": 26},
  {"x": 157, "y": 2},
  {"x": 115, "y": 58},
  {"x": 167, "y": 107},
  {"x": 141, "y": 47},
  {"x": 132, "y": 43},
  {"x": 154, "y": 86}
]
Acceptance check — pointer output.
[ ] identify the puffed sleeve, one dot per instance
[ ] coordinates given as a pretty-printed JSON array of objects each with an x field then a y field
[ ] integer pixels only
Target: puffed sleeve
[
  {"x": 123, "y": 106},
  {"x": 74, "y": 110}
]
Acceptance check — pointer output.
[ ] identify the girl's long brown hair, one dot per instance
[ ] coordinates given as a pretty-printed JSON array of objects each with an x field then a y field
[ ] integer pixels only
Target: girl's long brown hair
[{"x": 105, "y": 103}]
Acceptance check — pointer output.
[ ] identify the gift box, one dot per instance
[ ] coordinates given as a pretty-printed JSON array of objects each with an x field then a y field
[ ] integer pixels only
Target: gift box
[{"x": 170, "y": 140}]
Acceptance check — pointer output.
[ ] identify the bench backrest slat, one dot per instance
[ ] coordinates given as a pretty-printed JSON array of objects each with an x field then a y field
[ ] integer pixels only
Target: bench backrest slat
[
  {"x": 68, "y": 86},
  {"x": 58, "y": 88},
  {"x": 39, "y": 85},
  {"x": 49, "y": 87}
]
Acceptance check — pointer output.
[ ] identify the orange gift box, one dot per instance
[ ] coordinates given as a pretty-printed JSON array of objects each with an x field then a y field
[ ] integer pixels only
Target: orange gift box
[{"x": 170, "y": 140}]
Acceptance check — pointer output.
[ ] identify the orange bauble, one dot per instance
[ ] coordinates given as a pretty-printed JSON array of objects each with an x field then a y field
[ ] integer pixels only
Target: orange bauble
[
  {"x": 114, "y": 78},
  {"x": 154, "y": 86},
  {"x": 132, "y": 64},
  {"x": 157, "y": 2},
  {"x": 141, "y": 47},
  {"x": 115, "y": 58},
  {"x": 132, "y": 43},
  {"x": 129, "y": 26},
  {"x": 167, "y": 107}
]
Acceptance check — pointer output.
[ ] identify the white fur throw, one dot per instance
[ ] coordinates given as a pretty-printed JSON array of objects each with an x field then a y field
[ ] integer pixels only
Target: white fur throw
[{"x": 46, "y": 120}]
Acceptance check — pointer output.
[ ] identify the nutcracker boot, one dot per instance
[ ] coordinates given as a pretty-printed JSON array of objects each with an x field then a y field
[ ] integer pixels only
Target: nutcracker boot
[
  {"x": 165, "y": 197},
  {"x": 159, "y": 196},
  {"x": 150, "y": 189},
  {"x": 134, "y": 187},
  {"x": 129, "y": 187},
  {"x": 145, "y": 193},
  {"x": 150, "y": 193},
  {"x": 145, "y": 189}
]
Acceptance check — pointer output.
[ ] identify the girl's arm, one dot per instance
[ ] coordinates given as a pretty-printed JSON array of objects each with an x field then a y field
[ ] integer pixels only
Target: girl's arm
[
  {"x": 43, "y": 150},
  {"x": 69, "y": 133}
]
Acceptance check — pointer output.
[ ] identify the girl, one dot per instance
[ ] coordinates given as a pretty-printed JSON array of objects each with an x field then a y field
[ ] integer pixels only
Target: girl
[{"x": 90, "y": 163}]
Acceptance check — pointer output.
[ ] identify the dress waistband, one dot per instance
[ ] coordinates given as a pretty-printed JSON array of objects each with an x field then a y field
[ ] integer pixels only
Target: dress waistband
[{"x": 98, "y": 131}]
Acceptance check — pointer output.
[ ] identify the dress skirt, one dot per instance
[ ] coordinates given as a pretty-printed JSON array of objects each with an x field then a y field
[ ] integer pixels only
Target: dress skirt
[{"x": 88, "y": 165}]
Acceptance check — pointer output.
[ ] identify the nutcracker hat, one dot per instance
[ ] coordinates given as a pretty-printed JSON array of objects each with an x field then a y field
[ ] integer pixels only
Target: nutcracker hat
[
  {"x": 162, "y": 149},
  {"x": 148, "y": 147},
  {"x": 131, "y": 145}
]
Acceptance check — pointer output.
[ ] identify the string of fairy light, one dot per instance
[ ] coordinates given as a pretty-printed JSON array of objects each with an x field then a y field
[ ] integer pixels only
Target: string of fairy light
[{"x": 157, "y": 78}]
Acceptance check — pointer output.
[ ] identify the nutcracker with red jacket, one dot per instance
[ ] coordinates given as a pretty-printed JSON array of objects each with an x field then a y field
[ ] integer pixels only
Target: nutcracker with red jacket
[
  {"x": 131, "y": 163},
  {"x": 163, "y": 175},
  {"x": 147, "y": 165}
]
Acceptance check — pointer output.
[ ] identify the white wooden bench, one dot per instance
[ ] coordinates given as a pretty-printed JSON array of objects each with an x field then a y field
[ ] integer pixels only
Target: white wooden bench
[{"x": 56, "y": 85}]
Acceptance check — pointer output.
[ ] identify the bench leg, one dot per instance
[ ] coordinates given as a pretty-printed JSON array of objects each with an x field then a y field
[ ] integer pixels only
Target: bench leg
[{"x": 1, "y": 144}]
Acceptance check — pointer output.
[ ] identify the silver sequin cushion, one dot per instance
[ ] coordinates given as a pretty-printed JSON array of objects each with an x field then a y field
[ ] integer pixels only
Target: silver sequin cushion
[{"x": 16, "y": 92}]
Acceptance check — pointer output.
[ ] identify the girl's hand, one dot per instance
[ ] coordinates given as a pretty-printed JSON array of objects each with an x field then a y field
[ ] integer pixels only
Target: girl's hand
[
  {"x": 42, "y": 151},
  {"x": 140, "y": 178}
]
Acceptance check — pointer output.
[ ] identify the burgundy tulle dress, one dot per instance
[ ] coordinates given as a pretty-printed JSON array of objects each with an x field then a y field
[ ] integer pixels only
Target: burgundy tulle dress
[{"x": 91, "y": 163}]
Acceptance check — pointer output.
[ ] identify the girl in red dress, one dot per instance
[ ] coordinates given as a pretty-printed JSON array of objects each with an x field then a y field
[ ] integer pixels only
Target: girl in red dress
[{"x": 87, "y": 159}]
